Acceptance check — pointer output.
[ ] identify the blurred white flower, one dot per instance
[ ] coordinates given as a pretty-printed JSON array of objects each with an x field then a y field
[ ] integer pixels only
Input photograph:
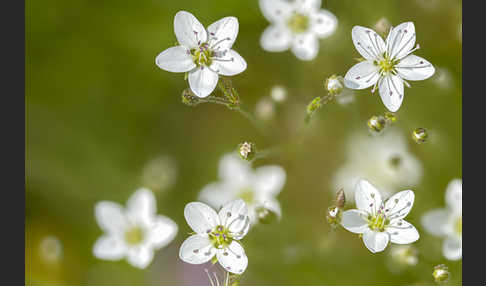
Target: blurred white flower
[
  {"x": 205, "y": 54},
  {"x": 387, "y": 65},
  {"x": 160, "y": 173},
  {"x": 265, "y": 109},
  {"x": 400, "y": 257},
  {"x": 447, "y": 222},
  {"x": 278, "y": 93},
  {"x": 383, "y": 159},
  {"x": 50, "y": 249},
  {"x": 258, "y": 188},
  {"x": 346, "y": 97},
  {"x": 382, "y": 26},
  {"x": 217, "y": 234},
  {"x": 443, "y": 78},
  {"x": 134, "y": 232},
  {"x": 296, "y": 25},
  {"x": 380, "y": 222}
]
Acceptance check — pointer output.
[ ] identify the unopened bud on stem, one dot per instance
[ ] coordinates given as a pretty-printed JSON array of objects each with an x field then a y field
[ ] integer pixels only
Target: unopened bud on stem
[{"x": 441, "y": 273}]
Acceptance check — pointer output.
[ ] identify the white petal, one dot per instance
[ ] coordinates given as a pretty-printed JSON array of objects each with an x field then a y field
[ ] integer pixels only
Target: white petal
[
  {"x": 233, "y": 259},
  {"x": 141, "y": 207},
  {"x": 162, "y": 231},
  {"x": 175, "y": 59},
  {"x": 454, "y": 195},
  {"x": 353, "y": 221},
  {"x": 305, "y": 46},
  {"x": 435, "y": 221},
  {"x": 367, "y": 197},
  {"x": 188, "y": 30},
  {"x": 110, "y": 216},
  {"x": 376, "y": 241},
  {"x": 401, "y": 40},
  {"x": 234, "y": 216},
  {"x": 402, "y": 232},
  {"x": 367, "y": 42},
  {"x": 140, "y": 256},
  {"x": 323, "y": 23},
  {"x": 275, "y": 11},
  {"x": 200, "y": 217},
  {"x": 216, "y": 194},
  {"x": 274, "y": 206},
  {"x": 413, "y": 67},
  {"x": 231, "y": 64},
  {"x": 226, "y": 28},
  {"x": 203, "y": 81},
  {"x": 452, "y": 248},
  {"x": 196, "y": 249},
  {"x": 362, "y": 75},
  {"x": 304, "y": 6},
  {"x": 391, "y": 92},
  {"x": 233, "y": 169},
  {"x": 399, "y": 205},
  {"x": 269, "y": 180},
  {"x": 276, "y": 38},
  {"x": 109, "y": 247}
]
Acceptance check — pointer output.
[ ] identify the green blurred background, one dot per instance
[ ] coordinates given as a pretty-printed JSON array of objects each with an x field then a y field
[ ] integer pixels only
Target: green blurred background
[{"x": 98, "y": 109}]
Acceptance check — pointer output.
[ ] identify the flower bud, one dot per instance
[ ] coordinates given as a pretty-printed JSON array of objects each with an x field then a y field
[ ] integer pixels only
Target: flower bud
[
  {"x": 189, "y": 98},
  {"x": 334, "y": 84},
  {"x": 376, "y": 124},
  {"x": 420, "y": 135},
  {"x": 247, "y": 150},
  {"x": 313, "y": 106},
  {"x": 441, "y": 273},
  {"x": 390, "y": 117},
  {"x": 333, "y": 216}
]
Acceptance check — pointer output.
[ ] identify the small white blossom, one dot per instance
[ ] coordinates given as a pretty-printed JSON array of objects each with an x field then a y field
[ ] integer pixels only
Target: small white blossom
[
  {"x": 296, "y": 25},
  {"x": 204, "y": 53},
  {"x": 388, "y": 65},
  {"x": 384, "y": 159},
  {"x": 50, "y": 249},
  {"x": 217, "y": 234},
  {"x": 134, "y": 232},
  {"x": 278, "y": 93},
  {"x": 380, "y": 222},
  {"x": 447, "y": 222},
  {"x": 258, "y": 188}
]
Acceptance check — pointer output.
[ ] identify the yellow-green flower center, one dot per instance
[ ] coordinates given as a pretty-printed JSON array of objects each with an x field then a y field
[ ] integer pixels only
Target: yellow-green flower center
[
  {"x": 247, "y": 195},
  {"x": 378, "y": 222},
  {"x": 134, "y": 235},
  {"x": 298, "y": 23},
  {"x": 458, "y": 226},
  {"x": 220, "y": 237},
  {"x": 202, "y": 55},
  {"x": 386, "y": 65}
]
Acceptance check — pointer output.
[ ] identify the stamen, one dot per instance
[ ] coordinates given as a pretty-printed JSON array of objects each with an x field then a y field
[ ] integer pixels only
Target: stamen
[
  {"x": 404, "y": 45},
  {"x": 220, "y": 41}
]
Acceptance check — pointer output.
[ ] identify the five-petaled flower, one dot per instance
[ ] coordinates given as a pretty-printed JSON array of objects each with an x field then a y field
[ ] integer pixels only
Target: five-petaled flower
[
  {"x": 447, "y": 222},
  {"x": 217, "y": 234},
  {"x": 258, "y": 188},
  {"x": 205, "y": 54},
  {"x": 387, "y": 65},
  {"x": 297, "y": 25},
  {"x": 134, "y": 232},
  {"x": 380, "y": 221}
]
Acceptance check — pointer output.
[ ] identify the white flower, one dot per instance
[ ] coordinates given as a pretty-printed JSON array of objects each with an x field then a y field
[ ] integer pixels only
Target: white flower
[
  {"x": 447, "y": 222},
  {"x": 278, "y": 93},
  {"x": 203, "y": 53},
  {"x": 134, "y": 232},
  {"x": 384, "y": 159},
  {"x": 258, "y": 188},
  {"x": 380, "y": 221},
  {"x": 217, "y": 234},
  {"x": 387, "y": 65},
  {"x": 296, "y": 25}
]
